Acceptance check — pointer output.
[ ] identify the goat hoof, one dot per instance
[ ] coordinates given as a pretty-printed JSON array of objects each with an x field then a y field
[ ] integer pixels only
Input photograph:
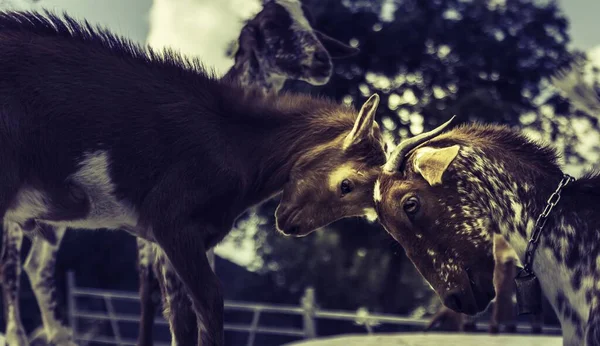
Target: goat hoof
[{"x": 494, "y": 329}]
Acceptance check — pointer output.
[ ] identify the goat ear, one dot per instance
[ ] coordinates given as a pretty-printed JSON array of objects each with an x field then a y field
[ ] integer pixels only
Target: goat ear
[
  {"x": 363, "y": 126},
  {"x": 431, "y": 163},
  {"x": 243, "y": 49},
  {"x": 336, "y": 49}
]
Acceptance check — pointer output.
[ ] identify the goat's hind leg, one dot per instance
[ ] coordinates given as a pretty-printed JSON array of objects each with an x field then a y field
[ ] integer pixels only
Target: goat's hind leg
[
  {"x": 177, "y": 304},
  {"x": 40, "y": 268},
  {"x": 10, "y": 276}
]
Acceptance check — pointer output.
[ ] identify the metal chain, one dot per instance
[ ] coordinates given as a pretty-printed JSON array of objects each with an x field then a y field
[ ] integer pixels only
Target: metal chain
[{"x": 541, "y": 222}]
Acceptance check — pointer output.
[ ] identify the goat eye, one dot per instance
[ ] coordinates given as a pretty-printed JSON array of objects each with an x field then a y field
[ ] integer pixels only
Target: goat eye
[
  {"x": 346, "y": 186},
  {"x": 411, "y": 205}
]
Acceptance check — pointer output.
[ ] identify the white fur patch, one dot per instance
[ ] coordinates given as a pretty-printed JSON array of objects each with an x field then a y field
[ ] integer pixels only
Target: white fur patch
[
  {"x": 94, "y": 179},
  {"x": 105, "y": 210},
  {"x": 377, "y": 197},
  {"x": 370, "y": 214},
  {"x": 29, "y": 203}
]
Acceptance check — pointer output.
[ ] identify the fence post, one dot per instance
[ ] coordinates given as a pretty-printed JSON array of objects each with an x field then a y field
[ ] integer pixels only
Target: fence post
[
  {"x": 308, "y": 304},
  {"x": 210, "y": 254},
  {"x": 72, "y": 301}
]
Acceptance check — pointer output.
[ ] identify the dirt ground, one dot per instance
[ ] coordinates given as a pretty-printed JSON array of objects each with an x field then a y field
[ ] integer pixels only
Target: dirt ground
[{"x": 433, "y": 339}]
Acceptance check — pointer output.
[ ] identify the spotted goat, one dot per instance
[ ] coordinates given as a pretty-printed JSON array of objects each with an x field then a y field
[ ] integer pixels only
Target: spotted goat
[
  {"x": 118, "y": 136},
  {"x": 278, "y": 44},
  {"x": 443, "y": 196}
]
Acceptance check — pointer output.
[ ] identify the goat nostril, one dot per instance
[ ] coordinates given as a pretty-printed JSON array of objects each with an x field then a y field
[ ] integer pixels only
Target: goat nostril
[
  {"x": 322, "y": 57},
  {"x": 293, "y": 230}
]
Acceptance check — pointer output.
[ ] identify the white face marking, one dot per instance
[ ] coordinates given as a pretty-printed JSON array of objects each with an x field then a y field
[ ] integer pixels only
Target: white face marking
[
  {"x": 370, "y": 214},
  {"x": 377, "y": 192},
  {"x": 339, "y": 174}
]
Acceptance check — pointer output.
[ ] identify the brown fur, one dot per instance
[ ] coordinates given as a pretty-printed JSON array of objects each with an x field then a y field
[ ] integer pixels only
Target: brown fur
[{"x": 258, "y": 65}]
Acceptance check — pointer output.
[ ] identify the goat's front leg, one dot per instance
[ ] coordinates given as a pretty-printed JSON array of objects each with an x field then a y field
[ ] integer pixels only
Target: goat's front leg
[
  {"x": 592, "y": 330},
  {"x": 40, "y": 268},
  {"x": 503, "y": 308},
  {"x": 148, "y": 288},
  {"x": 10, "y": 275},
  {"x": 177, "y": 304},
  {"x": 184, "y": 247}
]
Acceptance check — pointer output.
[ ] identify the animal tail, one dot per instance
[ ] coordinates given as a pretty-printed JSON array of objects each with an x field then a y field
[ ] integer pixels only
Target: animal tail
[{"x": 569, "y": 81}]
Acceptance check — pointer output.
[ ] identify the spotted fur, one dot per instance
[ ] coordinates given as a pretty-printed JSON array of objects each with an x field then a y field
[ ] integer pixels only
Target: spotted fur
[
  {"x": 278, "y": 44},
  {"x": 499, "y": 182},
  {"x": 503, "y": 313}
]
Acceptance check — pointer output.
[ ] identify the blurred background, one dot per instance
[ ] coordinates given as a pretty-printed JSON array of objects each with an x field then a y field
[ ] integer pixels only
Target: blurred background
[{"x": 483, "y": 60}]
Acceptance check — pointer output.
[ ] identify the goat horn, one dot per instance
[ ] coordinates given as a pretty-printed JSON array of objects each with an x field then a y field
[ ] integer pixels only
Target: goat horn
[{"x": 397, "y": 156}]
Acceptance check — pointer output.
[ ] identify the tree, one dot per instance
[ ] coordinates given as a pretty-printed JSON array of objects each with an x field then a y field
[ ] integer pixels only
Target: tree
[{"x": 428, "y": 60}]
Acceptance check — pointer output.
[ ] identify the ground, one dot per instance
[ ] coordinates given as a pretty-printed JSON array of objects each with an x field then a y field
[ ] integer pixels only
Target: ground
[{"x": 433, "y": 339}]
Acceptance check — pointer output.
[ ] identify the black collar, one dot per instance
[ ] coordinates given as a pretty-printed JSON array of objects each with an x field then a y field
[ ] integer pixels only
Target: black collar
[
  {"x": 541, "y": 222},
  {"x": 528, "y": 287}
]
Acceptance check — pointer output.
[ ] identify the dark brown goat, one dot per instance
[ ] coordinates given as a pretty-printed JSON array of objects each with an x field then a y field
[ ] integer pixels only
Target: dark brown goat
[
  {"x": 278, "y": 44},
  {"x": 442, "y": 199},
  {"x": 96, "y": 132}
]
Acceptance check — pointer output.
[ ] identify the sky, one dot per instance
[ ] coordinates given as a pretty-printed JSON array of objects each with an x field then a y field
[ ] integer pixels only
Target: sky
[
  {"x": 583, "y": 22},
  {"x": 204, "y": 28}
]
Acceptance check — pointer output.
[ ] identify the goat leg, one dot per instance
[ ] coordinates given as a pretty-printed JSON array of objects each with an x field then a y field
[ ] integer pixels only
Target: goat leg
[
  {"x": 10, "y": 276},
  {"x": 148, "y": 286},
  {"x": 40, "y": 268},
  {"x": 176, "y": 301}
]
